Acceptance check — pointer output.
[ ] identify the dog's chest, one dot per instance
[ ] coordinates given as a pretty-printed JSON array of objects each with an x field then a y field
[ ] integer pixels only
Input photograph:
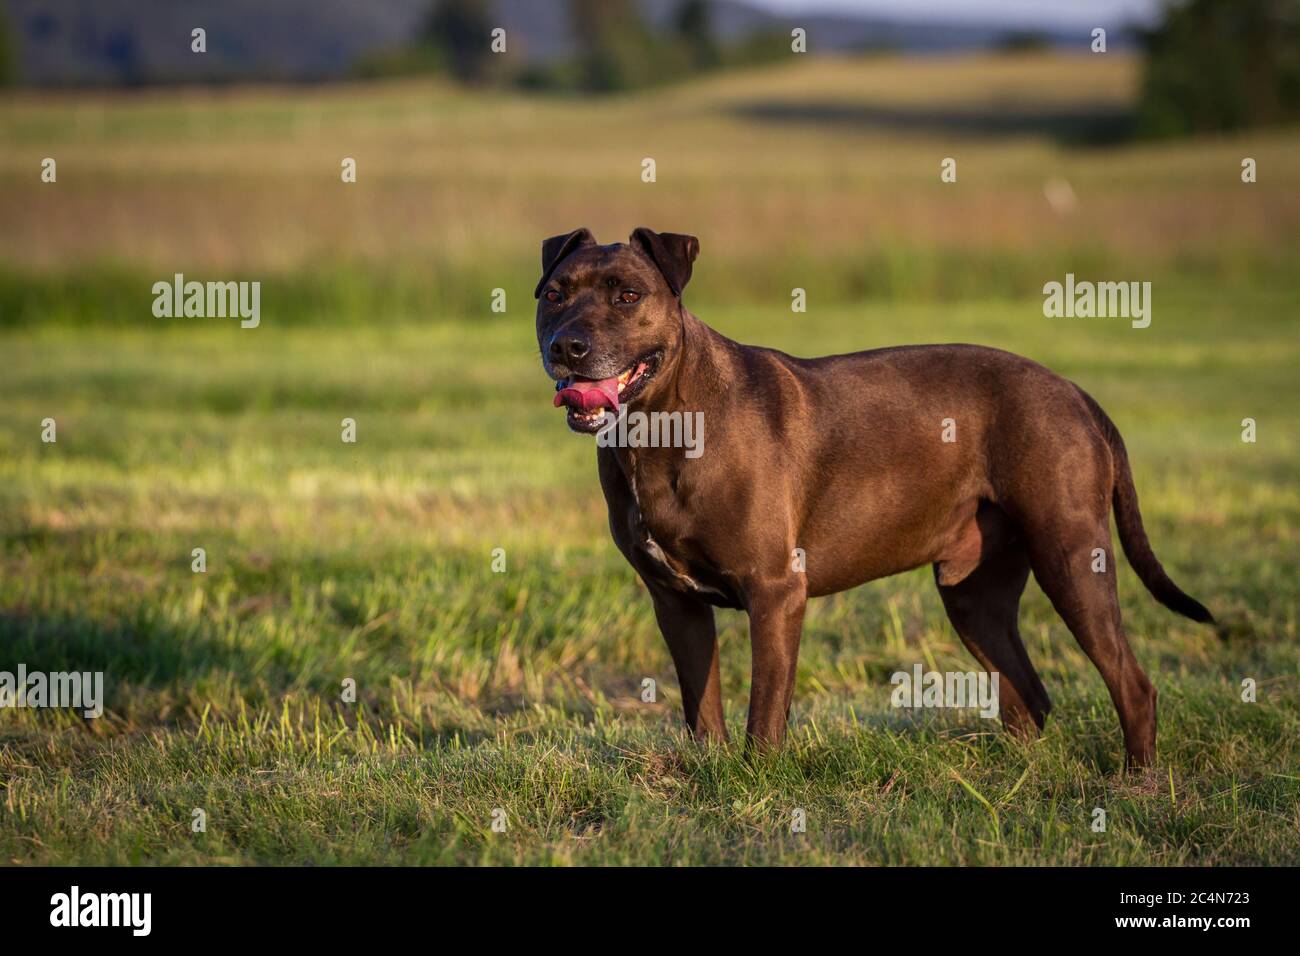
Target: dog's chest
[{"x": 659, "y": 542}]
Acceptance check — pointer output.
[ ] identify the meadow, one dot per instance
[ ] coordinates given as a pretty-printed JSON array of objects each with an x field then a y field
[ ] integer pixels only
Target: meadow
[{"x": 520, "y": 691}]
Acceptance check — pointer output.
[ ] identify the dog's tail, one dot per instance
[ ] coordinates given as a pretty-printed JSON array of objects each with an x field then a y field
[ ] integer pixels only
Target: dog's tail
[{"x": 1133, "y": 535}]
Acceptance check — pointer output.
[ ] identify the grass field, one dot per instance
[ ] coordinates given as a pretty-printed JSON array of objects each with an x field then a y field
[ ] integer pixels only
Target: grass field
[{"x": 520, "y": 691}]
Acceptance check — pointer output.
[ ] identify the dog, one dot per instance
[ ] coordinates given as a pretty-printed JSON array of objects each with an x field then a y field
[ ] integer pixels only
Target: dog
[{"x": 981, "y": 463}]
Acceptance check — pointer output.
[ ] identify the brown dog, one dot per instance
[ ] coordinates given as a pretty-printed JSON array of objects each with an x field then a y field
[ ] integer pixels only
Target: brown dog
[{"x": 980, "y": 462}]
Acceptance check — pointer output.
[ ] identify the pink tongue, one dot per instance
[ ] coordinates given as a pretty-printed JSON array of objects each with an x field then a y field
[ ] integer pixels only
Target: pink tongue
[{"x": 589, "y": 395}]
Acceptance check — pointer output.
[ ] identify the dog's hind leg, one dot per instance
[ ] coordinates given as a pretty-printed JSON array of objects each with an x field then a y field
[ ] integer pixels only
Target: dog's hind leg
[
  {"x": 983, "y": 608},
  {"x": 1089, "y": 604}
]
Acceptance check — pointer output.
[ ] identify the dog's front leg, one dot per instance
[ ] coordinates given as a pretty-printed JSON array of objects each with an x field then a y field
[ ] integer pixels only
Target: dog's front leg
[
  {"x": 687, "y": 626},
  {"x": 775, "y": 626}
]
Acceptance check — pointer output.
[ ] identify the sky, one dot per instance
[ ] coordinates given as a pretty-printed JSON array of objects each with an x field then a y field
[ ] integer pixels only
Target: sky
[{"x": 1027, "y": 13}]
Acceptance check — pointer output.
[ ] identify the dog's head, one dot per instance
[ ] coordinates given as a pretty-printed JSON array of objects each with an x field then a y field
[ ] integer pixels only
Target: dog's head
[{"x": 609, "y": 317}]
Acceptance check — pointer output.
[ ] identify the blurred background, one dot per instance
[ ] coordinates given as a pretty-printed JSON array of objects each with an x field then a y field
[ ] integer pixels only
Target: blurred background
[
  {"x": 230, "y": 158},
  {"x": 817, "y": 170}
]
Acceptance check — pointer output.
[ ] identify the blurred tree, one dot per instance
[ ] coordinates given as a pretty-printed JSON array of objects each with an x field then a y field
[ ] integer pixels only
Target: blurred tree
[
  {"x": 8, "y": 63},
  {"x": 616, "y": 51},
  {"x": 695, "y": 28},
  {"x": 1217, "y": 65},
  {"x": 461, "y": 30}
]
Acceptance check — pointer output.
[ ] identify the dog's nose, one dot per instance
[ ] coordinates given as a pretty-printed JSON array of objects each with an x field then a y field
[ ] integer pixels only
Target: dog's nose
[{"x": 569, "y": 348}]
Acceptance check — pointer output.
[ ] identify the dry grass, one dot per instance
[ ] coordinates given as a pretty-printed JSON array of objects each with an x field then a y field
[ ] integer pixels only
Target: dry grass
[{"x": 832, "y": 157}]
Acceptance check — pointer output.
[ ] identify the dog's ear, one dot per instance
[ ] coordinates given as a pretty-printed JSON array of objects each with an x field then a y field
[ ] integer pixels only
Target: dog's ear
[
  {"x": 672, "y": 252},
  {"x": 557, "y": 248}
]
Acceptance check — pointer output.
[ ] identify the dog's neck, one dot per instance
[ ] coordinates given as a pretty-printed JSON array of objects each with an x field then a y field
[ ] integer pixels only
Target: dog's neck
[
  {"x": 699, "y": 373},
  {"x": 697, "y": 379}
]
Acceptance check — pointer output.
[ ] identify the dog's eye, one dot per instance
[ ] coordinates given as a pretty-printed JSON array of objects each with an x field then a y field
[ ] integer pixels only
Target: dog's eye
[
  {"x": 552, "y": 295},
  {"x": 627, "y": 296}
]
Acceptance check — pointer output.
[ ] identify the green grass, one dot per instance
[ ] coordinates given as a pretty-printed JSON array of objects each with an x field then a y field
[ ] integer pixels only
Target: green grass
[{"x": 521, "y": 690}]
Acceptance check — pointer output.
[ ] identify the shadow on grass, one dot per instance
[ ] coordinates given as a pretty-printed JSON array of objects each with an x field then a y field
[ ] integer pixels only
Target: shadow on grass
[
  {"x": 1096, "y": 124},
  {"x": 142, "y": 651}
]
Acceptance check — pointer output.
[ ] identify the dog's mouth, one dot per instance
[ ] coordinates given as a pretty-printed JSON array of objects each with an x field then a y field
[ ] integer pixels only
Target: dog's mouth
[{"x": 589, "y": 400}]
